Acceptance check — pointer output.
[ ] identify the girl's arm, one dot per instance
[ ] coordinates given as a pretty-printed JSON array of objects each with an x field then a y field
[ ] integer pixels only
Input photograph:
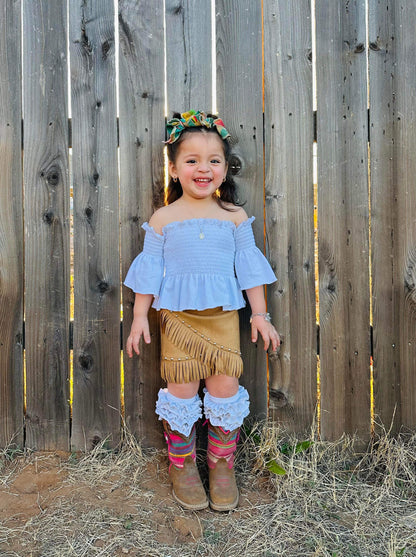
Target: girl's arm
[
  {"x": 140, "y": 324},
  {"x": 258, "y": 323}
]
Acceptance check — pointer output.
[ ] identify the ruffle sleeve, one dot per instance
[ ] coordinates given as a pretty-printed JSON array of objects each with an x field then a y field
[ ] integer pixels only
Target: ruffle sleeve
[
  {"x": 251, "y": 266},
  {"x": 146, "y": 272}
]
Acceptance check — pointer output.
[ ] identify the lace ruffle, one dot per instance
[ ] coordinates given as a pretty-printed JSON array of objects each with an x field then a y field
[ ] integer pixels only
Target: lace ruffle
[
  {"x": 227, "y": 413},
  {"x": 180, "y": 413}
]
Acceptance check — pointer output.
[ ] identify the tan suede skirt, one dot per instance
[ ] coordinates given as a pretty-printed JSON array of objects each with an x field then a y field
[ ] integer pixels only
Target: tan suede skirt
[{"x": 199, "y": 344}]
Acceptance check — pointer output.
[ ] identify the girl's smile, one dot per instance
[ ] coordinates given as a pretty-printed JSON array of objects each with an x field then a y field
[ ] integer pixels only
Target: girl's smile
[{"x": 200, "y": 165}]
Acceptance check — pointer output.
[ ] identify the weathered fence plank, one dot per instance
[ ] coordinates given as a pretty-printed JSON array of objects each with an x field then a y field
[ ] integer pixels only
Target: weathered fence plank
[
  {"x": 188, "y": 55},
  {"x": 343, "y": 218},
  {"x": 273, "y": 167},
  {"x": 96, "y": 406},
  {"x": 385, "y": 287},
  {"x": 240, "y": 104},
  {"x": 288, "y": 116},
  {"x": 11, "y": 228},
  {"x": 393, "y": 209},
  {"x": 142, "y": 132},
  {"x": 46, "y": 208}
]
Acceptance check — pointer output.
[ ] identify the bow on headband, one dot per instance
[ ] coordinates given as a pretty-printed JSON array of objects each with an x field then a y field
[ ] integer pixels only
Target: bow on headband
[{"x": 194, "y": 119}]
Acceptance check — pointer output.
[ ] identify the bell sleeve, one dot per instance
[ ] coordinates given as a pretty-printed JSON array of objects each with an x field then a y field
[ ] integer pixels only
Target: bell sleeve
[
  {"x": 146, "y": 272},
  {"x": 251, "y": 267}
]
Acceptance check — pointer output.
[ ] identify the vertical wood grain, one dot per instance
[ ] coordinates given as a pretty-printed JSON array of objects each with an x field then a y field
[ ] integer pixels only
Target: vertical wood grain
[
  {"x": 188, "y": 55},
  {"x": 142, "y": 132},
  {"x": 393, "y": 209},
  {"x": 343, "y": 218},
  {"x": 240, "y": 104},
  {"x": 11, "y": 228},
  {"x": 46, "y": 208},
  {"x": 96, "y": 407},
  {"x": 289, "y": 208},
  {"x": 35, "y": 252}
]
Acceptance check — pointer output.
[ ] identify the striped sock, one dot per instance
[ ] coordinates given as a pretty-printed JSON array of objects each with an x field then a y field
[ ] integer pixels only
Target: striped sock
[
  {"x": 221, "y": 444},
  {"x": 180, "y": 446}
]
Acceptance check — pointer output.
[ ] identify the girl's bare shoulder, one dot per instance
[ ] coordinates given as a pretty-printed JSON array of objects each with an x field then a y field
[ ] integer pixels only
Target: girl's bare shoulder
[
  {"x": 236, "y": 214},
  {"x": 162, "y": 217}
]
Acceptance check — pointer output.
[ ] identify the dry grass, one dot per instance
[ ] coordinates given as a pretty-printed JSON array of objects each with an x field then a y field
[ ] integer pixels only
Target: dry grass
[{"x": 332, "y": 501}]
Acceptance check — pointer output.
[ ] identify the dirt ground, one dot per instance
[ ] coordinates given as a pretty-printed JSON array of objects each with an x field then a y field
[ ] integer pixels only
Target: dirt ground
[
  {"x": 36, "y": 489},
  {"x": 299, "y": 498}
]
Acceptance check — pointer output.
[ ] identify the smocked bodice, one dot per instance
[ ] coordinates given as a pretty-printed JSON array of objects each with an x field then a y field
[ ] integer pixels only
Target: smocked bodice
[{"x": 199, "y": 264}]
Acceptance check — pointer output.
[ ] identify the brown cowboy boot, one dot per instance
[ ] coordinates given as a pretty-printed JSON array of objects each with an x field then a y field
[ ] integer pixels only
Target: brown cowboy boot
[
  {"x": 223, "y": 491},
  {"x": 187, "y": 488}
]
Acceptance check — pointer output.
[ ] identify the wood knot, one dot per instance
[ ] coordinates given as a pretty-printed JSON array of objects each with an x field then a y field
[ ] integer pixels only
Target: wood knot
[
  {"x": 53, "y": 177},
  {"x": 235, "y": 165},
  {"x": 105, "y": 48},
  {"x": 94, "y": 179},
  {"x": 85, "y": 42},
  {"x": 103, "y": 286},
  {"x": 279, "y": 398},
  {"x": 328, "y": 281},
  {"x": 410, "y": 278},
  {"x": 331, "y": 287},
  {"x": 48, "y": 217},
  {"x": 86, "y": 362},
  {"x": 359, "y": 48}
]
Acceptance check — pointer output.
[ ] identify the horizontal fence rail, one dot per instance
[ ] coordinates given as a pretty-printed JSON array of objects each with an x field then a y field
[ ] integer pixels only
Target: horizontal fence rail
[{"x": 85, "y": 88}]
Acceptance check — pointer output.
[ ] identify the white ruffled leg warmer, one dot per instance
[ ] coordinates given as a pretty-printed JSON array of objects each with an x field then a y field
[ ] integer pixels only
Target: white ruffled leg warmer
[
  {"x": 180, "y": 413},
  {"x": 227, "y": 413}
]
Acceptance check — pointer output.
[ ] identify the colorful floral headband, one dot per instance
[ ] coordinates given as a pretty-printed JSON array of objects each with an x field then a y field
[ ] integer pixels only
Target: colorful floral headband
[{"x": 194, "y": 119}]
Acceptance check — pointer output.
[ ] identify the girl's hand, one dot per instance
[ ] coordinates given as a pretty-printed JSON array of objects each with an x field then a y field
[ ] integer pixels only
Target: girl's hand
[
  {"x": 267, "y": 331},
  {"x": 139, "y": 327}
]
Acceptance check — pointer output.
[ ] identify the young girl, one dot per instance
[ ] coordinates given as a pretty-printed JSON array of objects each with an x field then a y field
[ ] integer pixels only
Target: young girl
[{"x": 198, "y": 256}]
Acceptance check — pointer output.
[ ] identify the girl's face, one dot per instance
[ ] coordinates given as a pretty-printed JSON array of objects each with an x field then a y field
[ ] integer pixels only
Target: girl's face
[{"x": 200, "y": 165}]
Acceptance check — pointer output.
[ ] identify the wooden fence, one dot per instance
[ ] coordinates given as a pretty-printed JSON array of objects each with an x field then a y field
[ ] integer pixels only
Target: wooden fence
[{"x": 264, "y": 56}]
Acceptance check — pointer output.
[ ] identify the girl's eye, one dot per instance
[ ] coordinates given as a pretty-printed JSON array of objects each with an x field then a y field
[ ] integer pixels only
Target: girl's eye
[
  {"x": 216, "y": 161},
  {"x": 191, "y": 161}
]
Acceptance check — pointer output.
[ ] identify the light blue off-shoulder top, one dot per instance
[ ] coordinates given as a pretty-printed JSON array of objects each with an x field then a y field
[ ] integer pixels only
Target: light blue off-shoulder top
[{"x": 198, "y": 264}]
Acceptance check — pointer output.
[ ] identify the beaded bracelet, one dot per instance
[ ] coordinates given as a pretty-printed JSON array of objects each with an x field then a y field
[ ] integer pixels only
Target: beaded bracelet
[{"x": 266, "y": 316}]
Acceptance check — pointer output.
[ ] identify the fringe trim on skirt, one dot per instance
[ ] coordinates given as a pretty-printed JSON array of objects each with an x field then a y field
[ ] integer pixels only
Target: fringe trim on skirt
[{"x": 198, "y": 344}]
